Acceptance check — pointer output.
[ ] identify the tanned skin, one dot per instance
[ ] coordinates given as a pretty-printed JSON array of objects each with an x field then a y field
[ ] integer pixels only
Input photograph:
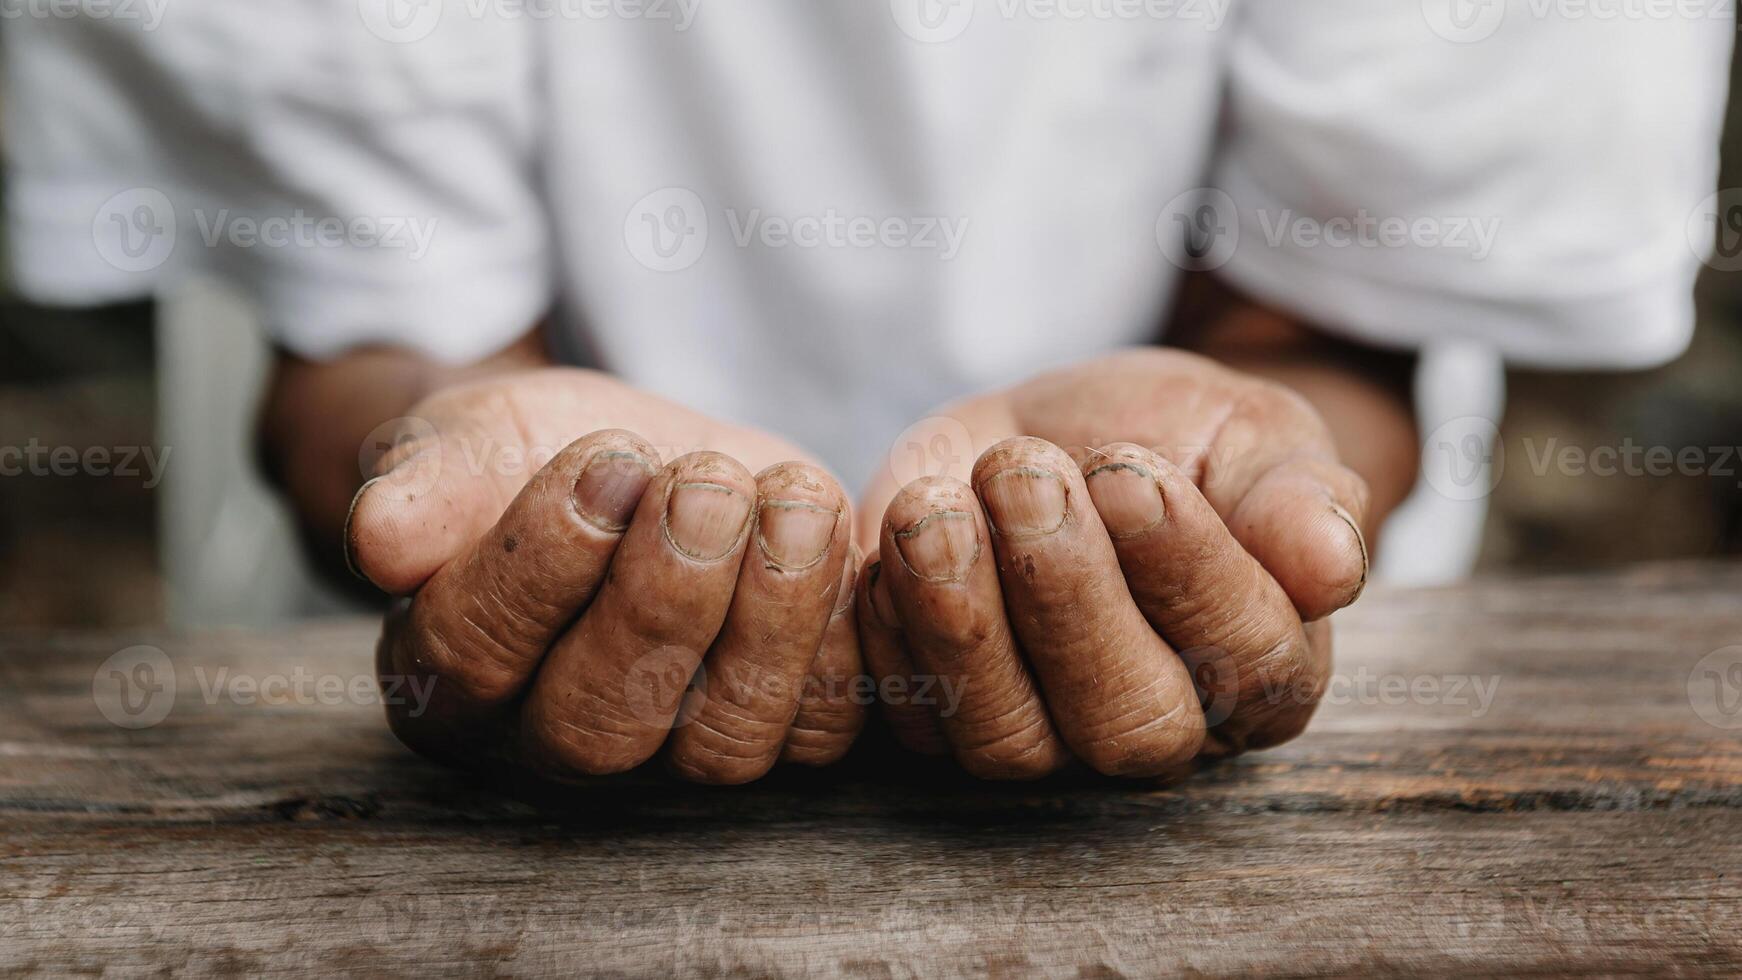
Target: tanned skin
[{"x": 1134, "y": 575}]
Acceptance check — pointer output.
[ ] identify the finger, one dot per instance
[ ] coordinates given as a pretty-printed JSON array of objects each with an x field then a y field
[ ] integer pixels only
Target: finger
[
  {"x": 481, "y": 625},
  {"x": 890, "y": 666},
  {"x": 1122, "y": 701},
  {"x": 432, "y": 492},
  {"x": 944, "y": 590},
  {"x": 746, "y": 695},
  {"x": 1232, "y": 624},
  {"x": 831, "y": 706},
  {"x": 1272, "y": 474},
  {"x": 610, "y": 688}
]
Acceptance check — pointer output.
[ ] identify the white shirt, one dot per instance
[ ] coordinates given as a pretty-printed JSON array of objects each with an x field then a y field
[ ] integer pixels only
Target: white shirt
[{"x": 826, "y": 217}]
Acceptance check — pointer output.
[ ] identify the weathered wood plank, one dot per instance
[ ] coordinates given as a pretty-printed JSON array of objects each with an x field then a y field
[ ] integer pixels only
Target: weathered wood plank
[
  {"x": 1274, "y": 893},
  {"x": 1584, "y": 813}
]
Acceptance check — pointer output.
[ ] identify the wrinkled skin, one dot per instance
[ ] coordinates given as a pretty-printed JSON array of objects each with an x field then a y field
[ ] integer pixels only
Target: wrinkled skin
[
  {"x": 1133, "y": 573},
  {"x": 1124, "y": 564},
  {"x": 566, "y": 577}
]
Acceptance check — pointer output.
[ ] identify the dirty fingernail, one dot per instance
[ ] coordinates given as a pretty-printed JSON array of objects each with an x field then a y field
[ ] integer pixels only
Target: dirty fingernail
[
  {"x": 941, "y": 546},
  {"x": 795, "y": 534},
  {"x": 1126, "y": 497},
  {"x": 1360, "y": 542},
  {"x": 704, "y": 520},
  {"x": 1024, "y": 500},
  {"x": 350, "y": 539},
  {"x": 610, "y": 487}
]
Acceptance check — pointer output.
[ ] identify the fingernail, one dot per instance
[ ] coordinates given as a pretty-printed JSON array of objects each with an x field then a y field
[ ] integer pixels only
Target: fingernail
[
  {"x": 350, "y": 543},
  {"x": 705, "y": 520},
  {"x": 1361, "y": 542},
  {"x": 1126, "y": 497},
  {"x": 941, "y": 546},
  {"x": 610, "y": 487},
  {"x": 795, "y": 534},
  {"x": 881, "y": 603},
  {"x": 1024, "y": 500}
]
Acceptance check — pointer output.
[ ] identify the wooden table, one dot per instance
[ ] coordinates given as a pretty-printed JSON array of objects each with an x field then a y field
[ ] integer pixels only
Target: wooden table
[{"x": 1586, "y": 816}]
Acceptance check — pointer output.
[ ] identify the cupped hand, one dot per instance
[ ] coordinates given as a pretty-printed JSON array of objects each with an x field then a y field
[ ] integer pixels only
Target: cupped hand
[
  {"x": 1154, "y": 592},
  {"x": 593, "y": 575}
]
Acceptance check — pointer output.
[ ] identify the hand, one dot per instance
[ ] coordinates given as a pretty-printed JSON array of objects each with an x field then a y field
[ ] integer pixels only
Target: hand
[
  {"x": 1154, "y": 594},
  {"x": 558, "y": 609}
]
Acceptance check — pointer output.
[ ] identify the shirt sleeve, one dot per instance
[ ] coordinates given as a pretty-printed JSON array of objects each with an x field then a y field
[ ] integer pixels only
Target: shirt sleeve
[
  {"x": 363, "y": 169},
  {"x": 1534, "y": 176}
]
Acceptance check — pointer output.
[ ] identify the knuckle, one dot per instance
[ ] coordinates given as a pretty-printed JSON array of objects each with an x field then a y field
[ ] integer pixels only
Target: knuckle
[
  {"x": 829, "y": 719},
  {"x": 568, "y": 747},
  {"x": 959, "y": 637},
  {"x": 916, "y": 732},
  {"x": 835, "y": 719},
  {"x": 716, "y": 771},
  {"x": 1036, "y": 762},
  {"x": 1279, "y": 673},
  {"x": 669, "y": 624},
  {"x": 735, "y": 737},
  {"x": 1028, "y": 751},
  {"x": 1278, "y": 693},
  {"x": 472, "y": 670},
  {"x": 817, "y": 746},
  {"x": 715, "y": 757},
  {"x": 1155, "y": 732},
  {"x": 1150, "y": 750},
  {"x": 741, "y": 705}
]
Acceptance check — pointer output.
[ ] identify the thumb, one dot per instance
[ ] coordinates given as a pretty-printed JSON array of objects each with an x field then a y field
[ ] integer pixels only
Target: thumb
[{"x": 436, "y": 483}]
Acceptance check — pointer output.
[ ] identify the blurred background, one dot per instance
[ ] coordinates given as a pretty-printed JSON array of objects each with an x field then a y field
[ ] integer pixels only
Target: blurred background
[{"x": 188, "y": 534}]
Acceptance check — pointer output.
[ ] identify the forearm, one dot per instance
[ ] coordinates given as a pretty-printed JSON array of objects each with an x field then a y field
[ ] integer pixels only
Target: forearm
[
  {"x": 1363, "y": 395},
  {"x": 317, "y": 416}
]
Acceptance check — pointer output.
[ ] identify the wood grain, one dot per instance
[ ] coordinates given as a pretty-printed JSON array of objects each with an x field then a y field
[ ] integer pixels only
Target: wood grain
[{"x": 1586, "y": 816}]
